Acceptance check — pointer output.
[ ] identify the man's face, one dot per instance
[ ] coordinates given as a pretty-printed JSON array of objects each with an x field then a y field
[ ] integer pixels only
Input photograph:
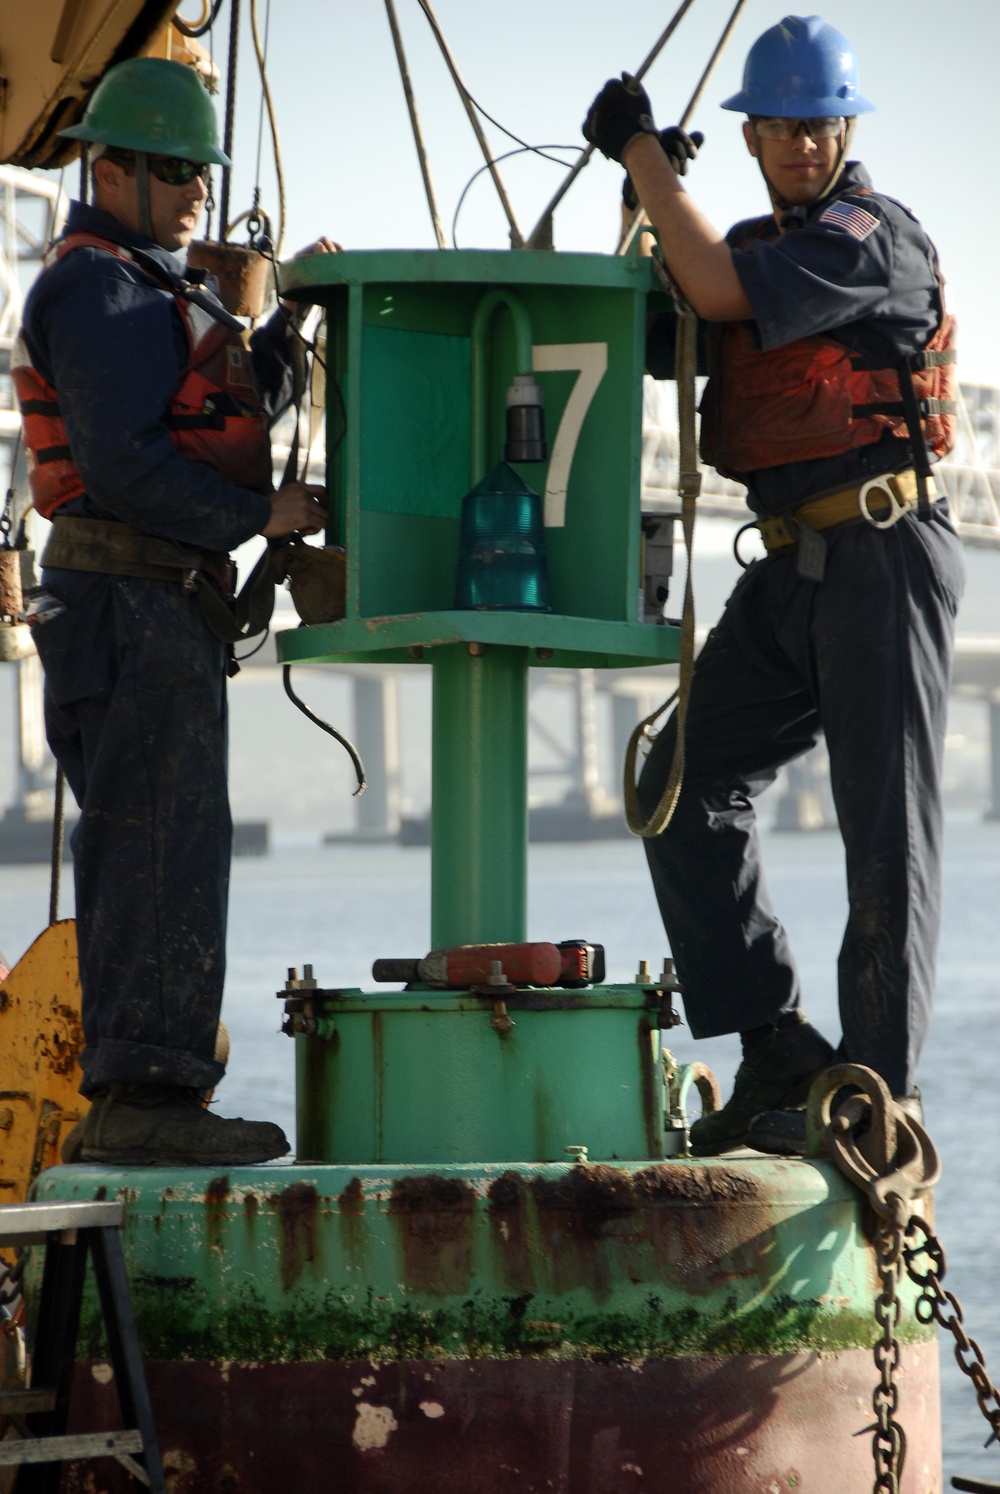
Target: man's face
[
  {"x": 173, "y": 211},
  {"x": 798, "y": 169}
]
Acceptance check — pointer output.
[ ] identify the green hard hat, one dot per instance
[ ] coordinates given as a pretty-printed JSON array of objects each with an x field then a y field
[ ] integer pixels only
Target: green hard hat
[{"x": 152, "y": 105}]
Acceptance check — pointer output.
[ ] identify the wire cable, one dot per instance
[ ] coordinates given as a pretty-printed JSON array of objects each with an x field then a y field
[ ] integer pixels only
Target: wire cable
[
  {"x": 519, "y": 151},
  {"x": 210, "y": 14},
  {"x": 349, "y": 747},
  {"x": 273, "y": 122}
]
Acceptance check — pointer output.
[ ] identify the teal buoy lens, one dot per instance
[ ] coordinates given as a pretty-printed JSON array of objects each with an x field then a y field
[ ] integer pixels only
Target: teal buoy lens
[{"x": 501, "y": 553}]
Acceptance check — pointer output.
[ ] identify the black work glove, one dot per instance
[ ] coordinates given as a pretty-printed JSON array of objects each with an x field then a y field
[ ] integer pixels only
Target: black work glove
[
  {"x": 620, "y": 112},
  {"x": 678, "y": 147}
]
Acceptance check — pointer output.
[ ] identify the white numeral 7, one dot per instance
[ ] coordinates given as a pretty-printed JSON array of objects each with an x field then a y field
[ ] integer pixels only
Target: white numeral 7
[{"x": 590, "y": 360}]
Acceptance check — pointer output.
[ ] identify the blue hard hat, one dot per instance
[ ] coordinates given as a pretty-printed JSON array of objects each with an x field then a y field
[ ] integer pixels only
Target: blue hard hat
[{"x": 803, "y": 68}]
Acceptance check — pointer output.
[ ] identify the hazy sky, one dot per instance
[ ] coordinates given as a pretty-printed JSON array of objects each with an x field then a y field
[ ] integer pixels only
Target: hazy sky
[{"x": 535, "y": 65}]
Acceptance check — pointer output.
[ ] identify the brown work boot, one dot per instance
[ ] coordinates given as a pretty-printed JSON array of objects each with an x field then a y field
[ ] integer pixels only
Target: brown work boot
[
  {"x": 161, "y": 1125},
  {"x": 775, "y": 1074}
]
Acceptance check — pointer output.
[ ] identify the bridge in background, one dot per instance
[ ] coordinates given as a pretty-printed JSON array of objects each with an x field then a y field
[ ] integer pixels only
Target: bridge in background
[{"x": 31, "y": 210}]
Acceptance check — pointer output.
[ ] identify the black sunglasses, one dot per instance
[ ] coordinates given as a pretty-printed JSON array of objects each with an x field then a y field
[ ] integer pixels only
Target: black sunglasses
[{"x": 171, "y": 170}]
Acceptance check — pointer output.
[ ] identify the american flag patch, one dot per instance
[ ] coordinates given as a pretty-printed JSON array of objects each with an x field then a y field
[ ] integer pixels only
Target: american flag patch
[{"x": 853, "y": 219}]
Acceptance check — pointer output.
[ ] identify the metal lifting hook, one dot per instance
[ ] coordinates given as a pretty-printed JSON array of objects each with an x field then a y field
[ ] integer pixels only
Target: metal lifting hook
[{"x": 873, "y": 1141}]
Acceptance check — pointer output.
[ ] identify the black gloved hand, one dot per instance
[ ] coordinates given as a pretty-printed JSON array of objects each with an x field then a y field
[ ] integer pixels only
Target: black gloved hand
[
  {"x": 620, "y": 112},
  {"x": 678, "y": 147}
]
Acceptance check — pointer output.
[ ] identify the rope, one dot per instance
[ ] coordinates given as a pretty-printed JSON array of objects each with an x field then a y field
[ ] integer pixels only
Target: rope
[
  {"x": 640, "y": 214},
  {"x": 689, "y": 484},
  {"x": 418, "y": 134},
  {"x": 58, "y": 832},
  {"x": 272, "y": 120},
  {"x": 516, "y": 236},
  {"x": 584, "y": 160}
]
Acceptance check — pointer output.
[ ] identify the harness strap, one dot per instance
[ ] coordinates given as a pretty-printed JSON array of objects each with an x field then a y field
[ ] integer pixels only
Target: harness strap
[
  {"x": 112, "y": 549},
  {"x": 929, "y": 406},
  {"x": 689, "y": 486},
  {"x": 921, "y": 460}
]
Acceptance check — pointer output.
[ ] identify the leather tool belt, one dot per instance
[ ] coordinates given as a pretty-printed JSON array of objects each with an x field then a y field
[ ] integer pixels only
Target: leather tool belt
[
  {"x": 881, "y": 501},
  {"x": 113, "y": 549}
]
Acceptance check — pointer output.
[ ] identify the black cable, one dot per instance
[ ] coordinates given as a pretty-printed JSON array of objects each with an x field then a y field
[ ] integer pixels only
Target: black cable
[
  {"x": 242, "y": 658},
  {"x": 526, "y": 145},
  {"x": 227, "y": 136},
  {"x": 186, "y": 29},
  {"x": 58, "y": 831},
  {"x": 538, "y": 150},
  {"x": 349, "y": 747}
]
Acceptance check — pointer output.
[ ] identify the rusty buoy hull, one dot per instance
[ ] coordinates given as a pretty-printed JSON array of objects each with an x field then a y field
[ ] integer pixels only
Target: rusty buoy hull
[
  {"x": 690, "y": 1425},
  {"x": 683, "y": 1326}
]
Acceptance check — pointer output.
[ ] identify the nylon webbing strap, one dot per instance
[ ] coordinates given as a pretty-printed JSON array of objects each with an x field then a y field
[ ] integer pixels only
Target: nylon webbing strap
[
  {"x": 921, "y": 461},
  {"x": 689, "y": 486}
]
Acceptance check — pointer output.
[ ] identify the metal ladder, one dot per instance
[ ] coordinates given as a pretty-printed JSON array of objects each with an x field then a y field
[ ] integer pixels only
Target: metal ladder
[{"x": 69, "y": 1231}]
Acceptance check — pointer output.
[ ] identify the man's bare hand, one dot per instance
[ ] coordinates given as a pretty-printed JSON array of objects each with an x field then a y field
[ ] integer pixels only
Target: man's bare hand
[
  {"x": 323, "y": 245},
  {"x": 297, "y": 508}
]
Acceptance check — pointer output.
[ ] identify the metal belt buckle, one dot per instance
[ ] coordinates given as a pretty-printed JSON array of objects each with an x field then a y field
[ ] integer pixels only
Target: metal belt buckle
[{"x": 896, "y": 509}]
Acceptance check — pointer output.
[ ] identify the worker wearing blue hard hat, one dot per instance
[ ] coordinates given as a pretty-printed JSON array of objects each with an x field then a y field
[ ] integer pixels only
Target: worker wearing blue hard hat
[{"x": 831, "y": 394}]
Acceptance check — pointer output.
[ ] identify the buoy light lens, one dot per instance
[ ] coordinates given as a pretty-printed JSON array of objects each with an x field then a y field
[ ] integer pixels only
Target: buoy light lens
[{"x": 501, "y": 557}]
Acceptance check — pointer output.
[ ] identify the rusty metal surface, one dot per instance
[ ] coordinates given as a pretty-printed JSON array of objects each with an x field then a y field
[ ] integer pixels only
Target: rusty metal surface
[
  {"x": 574, "y": 1261},
  {"x": 782, "y": 1424},
  {"x": 40, "y": 1039}
]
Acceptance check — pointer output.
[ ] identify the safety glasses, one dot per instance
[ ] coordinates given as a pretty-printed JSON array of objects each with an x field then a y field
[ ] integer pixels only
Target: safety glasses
[{"x": 788, "y": 129}]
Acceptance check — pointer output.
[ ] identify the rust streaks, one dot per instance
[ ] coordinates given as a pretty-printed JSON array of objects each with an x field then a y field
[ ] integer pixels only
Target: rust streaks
[
  {"x": 297, "y": 1207},
  {"x": 434, "y": 1218},
  {"x": 512, "y": 1239},
  {"x": 216, "y": 1211}
]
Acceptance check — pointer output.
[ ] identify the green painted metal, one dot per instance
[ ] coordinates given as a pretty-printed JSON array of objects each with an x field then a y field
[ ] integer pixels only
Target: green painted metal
[
  {"x": 436, "y": 1077},
  {"x": 550, "y": 641},
  {"x": 402, "y": 438},
  {"x": 479, "y": 798},
  {"x": 734, "y": 1255},
  {"x": 491, "y": 302}
]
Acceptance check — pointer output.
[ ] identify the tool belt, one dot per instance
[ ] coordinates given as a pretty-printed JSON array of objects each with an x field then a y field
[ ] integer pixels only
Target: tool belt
[
  {"x": 114, "y": 549},
  {"x": 881, "y": 502}
]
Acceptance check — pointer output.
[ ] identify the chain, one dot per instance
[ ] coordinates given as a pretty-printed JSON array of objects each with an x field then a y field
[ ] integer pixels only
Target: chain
[
  {"x": 7, "y": 517},
  {"x": 934, "y": 1303},
  {"x": 888, "y": 1439}
]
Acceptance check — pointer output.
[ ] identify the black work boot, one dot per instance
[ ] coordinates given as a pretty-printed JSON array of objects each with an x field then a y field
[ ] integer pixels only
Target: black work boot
[
  {"x": 161, "y": 1125},
  {"x": 778, "y": 1067},
  {"x": 782, "y": 1133}
]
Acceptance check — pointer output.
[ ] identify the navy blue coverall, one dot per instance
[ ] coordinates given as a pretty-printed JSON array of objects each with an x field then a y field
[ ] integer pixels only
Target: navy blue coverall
[
  {"x": 135, "y": 682},
  {"x": 863, "y": 657}
]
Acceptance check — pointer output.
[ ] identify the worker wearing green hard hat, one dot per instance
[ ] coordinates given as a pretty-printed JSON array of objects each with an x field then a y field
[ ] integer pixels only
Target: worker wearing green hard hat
[
  {"x": 158, "y": 115},
  {"x": 150, "y": 104},
  {"x": 146, "y": 415}
]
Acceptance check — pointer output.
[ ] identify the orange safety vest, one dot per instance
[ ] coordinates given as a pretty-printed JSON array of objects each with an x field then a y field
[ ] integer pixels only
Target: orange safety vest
[
  {"x": 810, "y": 399},
  {"x": 215, "y": 414}
]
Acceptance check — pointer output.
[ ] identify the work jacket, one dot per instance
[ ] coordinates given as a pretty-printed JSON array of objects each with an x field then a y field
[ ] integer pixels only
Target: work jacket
[{"x": 215, "y": 414}]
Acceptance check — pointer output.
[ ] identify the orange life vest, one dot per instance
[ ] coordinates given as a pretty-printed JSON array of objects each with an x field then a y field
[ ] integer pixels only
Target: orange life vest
[
  {"x": 811, "y": 399},
  {"x": 215, "y": 414}
]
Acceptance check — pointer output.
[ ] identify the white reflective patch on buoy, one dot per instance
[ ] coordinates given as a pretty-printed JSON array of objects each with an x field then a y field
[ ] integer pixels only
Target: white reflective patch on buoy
[
  {"x": 102, "y": 1373},
  {"x": 433, "y": 1409},
  {"x": 373, "y": 1427}
]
